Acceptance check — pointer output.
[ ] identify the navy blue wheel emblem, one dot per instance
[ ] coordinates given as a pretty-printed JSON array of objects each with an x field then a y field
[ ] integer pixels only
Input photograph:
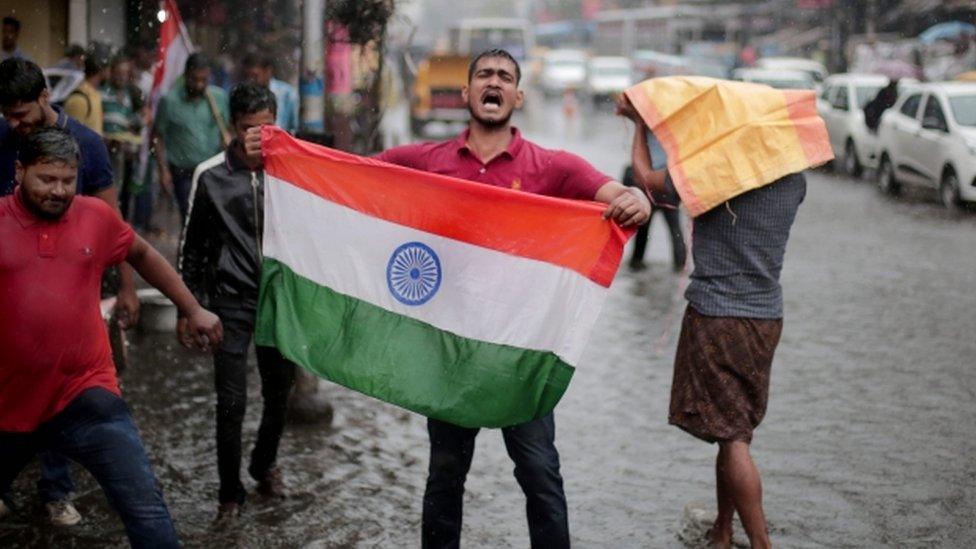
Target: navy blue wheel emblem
[{"x": 413, "y": 273}]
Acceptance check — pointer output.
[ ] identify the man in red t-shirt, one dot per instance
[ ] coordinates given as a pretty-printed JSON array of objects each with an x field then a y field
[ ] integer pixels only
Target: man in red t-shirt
[{"x": 58, "y": 388}]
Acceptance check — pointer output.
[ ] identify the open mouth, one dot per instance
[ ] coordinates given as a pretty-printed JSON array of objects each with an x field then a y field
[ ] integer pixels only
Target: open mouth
[{"x": 491, "y": 99}]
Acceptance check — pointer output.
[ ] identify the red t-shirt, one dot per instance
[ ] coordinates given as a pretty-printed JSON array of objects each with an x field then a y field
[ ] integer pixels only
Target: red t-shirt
[
  {"x": 53, "y": 341},
  {"x": 524, "y": 165}
]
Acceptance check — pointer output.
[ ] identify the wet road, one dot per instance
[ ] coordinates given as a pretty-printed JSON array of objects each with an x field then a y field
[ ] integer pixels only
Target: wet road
[{"x": 868, "y": 441}]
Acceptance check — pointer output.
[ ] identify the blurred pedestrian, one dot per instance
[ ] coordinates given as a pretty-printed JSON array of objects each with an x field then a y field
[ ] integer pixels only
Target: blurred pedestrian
[
  {"x": 884, "y": 100},
  {"x": 26, "y": 107},
  {"x": 8, "y": 40},
  {"x": 220, "y": 261},
  {"x": 58, "y": 387},
  {"x": 191, "y": 126},
  {"x": 730, "y": 331},
  {"x": 74, "y": 58},
  {"x": 570, "y": 110},
  {"x": 666, "y": 204},
  {"x": 122, "y": 103},
  {"x": 144, "y": 58},
  {"x": 491, "y": 151},
  {"x": 85, "y": 103},
  {"x": 260, "y": 70}
]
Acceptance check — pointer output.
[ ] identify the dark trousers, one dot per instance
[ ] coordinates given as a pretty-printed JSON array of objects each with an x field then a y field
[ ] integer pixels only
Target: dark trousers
[
  {"x": 230, "y": 380},
  {"x": 96, "y": 430},
  {"x": 137, "y": 208},
  {"x": 678, "y": 251},
  {"x": 55, "y": 483},
  {"x": 182, "y": 181},
  {"x": 531, "y": 446}
]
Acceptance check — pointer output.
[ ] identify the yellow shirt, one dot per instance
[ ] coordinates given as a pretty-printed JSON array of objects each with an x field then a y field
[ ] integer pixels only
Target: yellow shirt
[{"x": 85, "y": 105}]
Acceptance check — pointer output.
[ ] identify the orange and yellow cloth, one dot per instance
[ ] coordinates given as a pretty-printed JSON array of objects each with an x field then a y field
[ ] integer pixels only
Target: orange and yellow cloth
[{"x": 724, "y": 138}]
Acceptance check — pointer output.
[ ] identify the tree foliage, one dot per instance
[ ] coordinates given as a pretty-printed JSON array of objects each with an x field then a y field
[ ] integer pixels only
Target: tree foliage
[{"x": 365, "y": 20}]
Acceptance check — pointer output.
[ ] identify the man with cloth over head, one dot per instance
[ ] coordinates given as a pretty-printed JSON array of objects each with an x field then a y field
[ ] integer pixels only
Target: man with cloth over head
[{"x": 730, "y": 329}]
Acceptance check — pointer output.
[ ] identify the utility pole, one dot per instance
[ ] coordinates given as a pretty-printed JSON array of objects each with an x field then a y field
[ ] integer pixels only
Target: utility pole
[
  {"x": 307, "y": 404},
  {"x": 871, "y": 18},
  {"x": 312, "y": 83}
]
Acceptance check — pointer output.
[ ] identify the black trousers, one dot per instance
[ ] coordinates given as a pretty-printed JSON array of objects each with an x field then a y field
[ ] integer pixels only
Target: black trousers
[
  {"x": 230, "y": 379},
  {"x": 532, "y": 448},
  {"x": 679, "y": 252}
]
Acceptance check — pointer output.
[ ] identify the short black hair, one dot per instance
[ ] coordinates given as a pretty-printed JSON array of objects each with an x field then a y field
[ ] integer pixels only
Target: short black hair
[
  {"x": 21, "y": 81},
  {"x": 258, "y": 60},
  {"x": 495, "y": 52},
  {"x": 13, "y": 22},
  {"x": 197, "y": 61},
  {"x": 248, "y": 98},
  {"x": 51, "y": 144},
  {"x": 74, "y": 50},
  {"x": 96, "y": 59}
]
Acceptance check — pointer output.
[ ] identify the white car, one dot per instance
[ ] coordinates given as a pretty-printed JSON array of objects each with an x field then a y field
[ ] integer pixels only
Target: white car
[
  {"x": 841, "y": 105},
  {"x": 608, "y": 76},
  {"x": 561, "y": 70},
  {"x": 779, "y": 79},
  {"x": 816, "y": 70},
  {"x": 929, "y": 138}
]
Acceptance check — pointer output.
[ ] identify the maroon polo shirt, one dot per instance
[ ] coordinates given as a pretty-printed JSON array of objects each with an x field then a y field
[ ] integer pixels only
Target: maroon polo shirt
[
  {"x": 522, "y": 166},
  {"x": 53, "y": 341}
]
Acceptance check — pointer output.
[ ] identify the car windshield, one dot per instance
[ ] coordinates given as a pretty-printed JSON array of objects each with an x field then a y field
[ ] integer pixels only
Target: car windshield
[
  {"x": 865, "y": 94},
  {"x": 964, "y": 109}
]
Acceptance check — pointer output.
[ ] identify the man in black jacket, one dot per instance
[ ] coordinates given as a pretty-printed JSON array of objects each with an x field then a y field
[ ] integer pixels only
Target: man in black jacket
[{"x": 220, "y": 259}]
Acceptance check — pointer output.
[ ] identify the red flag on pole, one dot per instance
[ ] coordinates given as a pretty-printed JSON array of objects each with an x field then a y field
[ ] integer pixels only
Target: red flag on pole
[{"x": 174, "y": 49}]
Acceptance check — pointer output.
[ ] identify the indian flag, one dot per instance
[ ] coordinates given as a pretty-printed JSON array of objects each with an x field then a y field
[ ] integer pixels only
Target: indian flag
[{"x": 460, "y": 301}]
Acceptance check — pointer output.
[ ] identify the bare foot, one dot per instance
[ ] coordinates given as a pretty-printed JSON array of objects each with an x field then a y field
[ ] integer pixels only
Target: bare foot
[{"x": 720, "y": 538}]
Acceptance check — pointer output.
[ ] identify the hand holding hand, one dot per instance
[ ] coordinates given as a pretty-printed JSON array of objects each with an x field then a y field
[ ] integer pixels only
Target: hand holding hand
[{"x": 201, "y": 329}]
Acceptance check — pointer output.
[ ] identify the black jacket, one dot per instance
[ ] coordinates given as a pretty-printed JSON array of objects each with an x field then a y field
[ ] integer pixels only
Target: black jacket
[{"x": 220, "y": 252}]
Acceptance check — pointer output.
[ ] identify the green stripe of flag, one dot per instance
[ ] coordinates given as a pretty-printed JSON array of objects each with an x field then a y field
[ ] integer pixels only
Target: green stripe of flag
[{"x": 402, "y": 360}]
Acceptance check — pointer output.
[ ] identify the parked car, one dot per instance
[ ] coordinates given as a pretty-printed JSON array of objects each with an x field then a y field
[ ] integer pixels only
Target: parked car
[
  {"x": 562, "y": 69},
  {"x": 816, "y": 70},
  {"x": 929, "y": 138},
  {"x": 652, "y": 64},
  {"x": 841, "y": 105},
  {"x": 779, "y": 79},
  {"x": 607, "y": 77}
]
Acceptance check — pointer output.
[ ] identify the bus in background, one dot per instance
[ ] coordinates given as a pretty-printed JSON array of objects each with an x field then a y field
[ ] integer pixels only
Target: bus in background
[
  {"x": 436, "y": 91},
  {"x": 474, "y": 35}
]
